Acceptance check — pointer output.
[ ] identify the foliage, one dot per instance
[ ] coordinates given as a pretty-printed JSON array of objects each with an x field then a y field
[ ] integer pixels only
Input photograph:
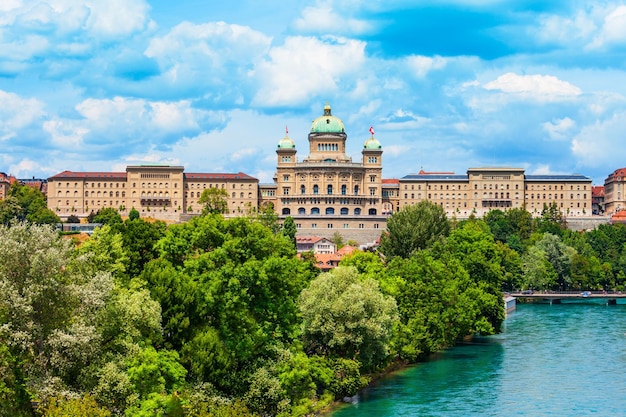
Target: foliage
[
  {"x": 73, "y": 219},
  {"x": 344, "y": 316},
  {"x": 107, "y": 215},
  {"x": 289, "y": 230},
  {"x": 133, "y": 214},
  {"x": 214, "y": 201},
  {"x": 24, "y": 203},
  {"x": 414, "y": 228},
  {"x": 78, "y": 407}
]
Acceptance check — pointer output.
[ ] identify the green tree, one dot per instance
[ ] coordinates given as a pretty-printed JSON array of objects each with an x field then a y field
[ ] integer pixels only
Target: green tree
[
  {"x": 560, "y": 257},
  {"x": 107, "y": 215},
  {"x": 289, "y": 229},
  {"x": 346, "y": 317},
  {"x": 214, "y": 201},
  {"x": 414, "y": 228},
  {"x": 49, "y": 306},
  {"x": 133, "y": 214},
  {"x": 78, "y": 407}
]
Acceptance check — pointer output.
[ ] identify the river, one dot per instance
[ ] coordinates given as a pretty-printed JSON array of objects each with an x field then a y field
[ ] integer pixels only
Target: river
[{"x": 549, "y": 360}]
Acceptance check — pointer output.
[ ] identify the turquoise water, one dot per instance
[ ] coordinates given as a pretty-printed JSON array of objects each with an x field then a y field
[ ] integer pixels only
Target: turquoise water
[{"x": 550, "y": 360}]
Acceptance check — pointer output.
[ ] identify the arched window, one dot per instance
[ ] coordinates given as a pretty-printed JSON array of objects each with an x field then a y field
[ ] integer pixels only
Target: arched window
[
  {"x": 302, "y": 189},
  {"x": 343, "y": 189},
  {"x": 357, "y": 211},
  {"x": 301, "y": 210},
  {"x": 344, "y": 211},
  {"x": 315, "y": 189},
  {"x": 286, "y": 211},
  {"x": 315, "y": 210},
  {"x": 356, "y": 190},
  {"x": 330, "y": 189},
  {"x": 330, "y": 210},
  {"x": 372, "y": 212}
]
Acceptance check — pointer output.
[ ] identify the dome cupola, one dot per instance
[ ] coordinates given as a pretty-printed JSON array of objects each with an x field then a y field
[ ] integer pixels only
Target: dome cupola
[{"x": 327, "y": 123}]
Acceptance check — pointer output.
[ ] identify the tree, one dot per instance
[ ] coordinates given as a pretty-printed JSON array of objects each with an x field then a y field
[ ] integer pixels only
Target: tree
[
  {"x": 346, "y": 317},
  {"x": 289, "y": 230},
  {"x": 49, "y": 306},
  {"x": 414, "y": 228},
  {"x": 73, "y": 219},
  {"x": 107, "y": 215},
  {"x": 133, "y": 214},
  {"x": 214, "y": 201}
]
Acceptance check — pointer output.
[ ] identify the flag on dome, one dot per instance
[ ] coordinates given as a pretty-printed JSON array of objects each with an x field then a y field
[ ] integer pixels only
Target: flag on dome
[{"x": 372, "y": 130}]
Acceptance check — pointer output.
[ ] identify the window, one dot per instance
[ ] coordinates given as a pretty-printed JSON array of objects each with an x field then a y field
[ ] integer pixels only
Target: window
[
  {"x": 315, "y": 189},
  {"x": 330, "y": 225},
  {"x": 330, "y": 189},
  {"x": 330, "y": 210},
  {"x": 372, "y": 178},
  {"x": 372, "y": 212},
  {"x": 286, "y": 211},
  {"x": 285, "y": 177},
  {"x": 302, "y": 189},
  {"x": 315, "y": 210},
  {"x": 356, "y": 190},
  {"x": 343, "y": 189},
  {"x": 301, "y": 210},
  {"x": 314, "y": 226},
  {"x": 357, "y": 211},
  {"x": 344, "y": 211}
]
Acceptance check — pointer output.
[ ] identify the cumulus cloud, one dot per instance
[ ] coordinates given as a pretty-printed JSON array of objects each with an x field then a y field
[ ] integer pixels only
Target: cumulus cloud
[
  {"x": 597, "y": 144},
  {"x": 422, "y": 65},
  {"x": 121, "y": 125},
  {"x": 536, "y": 87},
  {"x": 613, "y": 29},
  {"x": 559, "y": 129},
  {"x": 323, "y": 19},
  {"x": 402, "y": 119},
  {"x": 208, "y": 55},
  {"x": 304, "y": 67},
  {"x": 17, "y": 113}
]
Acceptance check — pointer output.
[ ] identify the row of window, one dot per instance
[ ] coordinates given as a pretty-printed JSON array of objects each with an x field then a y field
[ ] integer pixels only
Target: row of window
[
  {"x": 344, "y": 211},
  {"x": 330, "y": 226}
]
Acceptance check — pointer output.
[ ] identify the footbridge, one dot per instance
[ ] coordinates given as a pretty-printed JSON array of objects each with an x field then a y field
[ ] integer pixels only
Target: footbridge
[{"x": 555, "y": 297}]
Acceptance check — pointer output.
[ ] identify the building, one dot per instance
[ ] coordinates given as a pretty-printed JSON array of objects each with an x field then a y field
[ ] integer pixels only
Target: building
[
  {"x": 326, "y": 191},
  {"x": 614, "y": 197},
  {"x": 485, "y": 189},
  {"x": 317, "y": 244},
  {"x": 5, "y": 184},
  {"x": 597, "y": 199},
  {"x": 160, "y": 191}
]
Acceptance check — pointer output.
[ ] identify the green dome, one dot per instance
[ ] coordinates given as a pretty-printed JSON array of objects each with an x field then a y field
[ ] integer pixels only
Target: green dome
[
  {"x": 372, "y": 143},
  {"x": 286, "y": 143},
  {"x": 327, "y": 123}
]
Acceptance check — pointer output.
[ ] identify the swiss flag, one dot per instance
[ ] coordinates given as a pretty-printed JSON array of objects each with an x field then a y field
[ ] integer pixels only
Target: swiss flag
[{"x": 372, "y": 130}]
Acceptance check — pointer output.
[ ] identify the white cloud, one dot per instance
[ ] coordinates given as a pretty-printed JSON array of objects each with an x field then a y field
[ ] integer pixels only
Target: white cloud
[
  {"x": 537, "y": 87},
  {"x": 305, "y": 67},
  {"x": 422, "y": 65},
  {"x": 323, "y": 19},
  {"x": 613, "y": 29},
  {"x": 244, "y": 153},
  {"x": 565, "y": 30},
  {"x": 600, "y": 144},
  {"x": 558, "y": 129},
  {"x": 17, "y": 113},
  {"x": 116, "y": 18}
]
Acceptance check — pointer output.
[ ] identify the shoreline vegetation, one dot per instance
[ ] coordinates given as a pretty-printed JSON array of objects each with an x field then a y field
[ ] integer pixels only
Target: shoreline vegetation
[{"x": 218, "y": 317}]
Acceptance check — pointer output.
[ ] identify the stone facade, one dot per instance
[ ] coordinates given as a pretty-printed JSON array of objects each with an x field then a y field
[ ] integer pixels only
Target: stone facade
[
  {"x": 614, "y": 191},
  {"x": 159, "y": 191}
]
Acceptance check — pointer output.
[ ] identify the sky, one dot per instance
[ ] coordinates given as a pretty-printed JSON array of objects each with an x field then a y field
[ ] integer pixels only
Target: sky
[{"x": 91, "y": 85}]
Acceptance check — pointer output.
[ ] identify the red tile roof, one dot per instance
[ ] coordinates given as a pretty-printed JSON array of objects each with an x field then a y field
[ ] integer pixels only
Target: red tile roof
[
  {"x": 391, "y": 181},
  {"x": 597, "y": 191},
  {"x": 422, "y": 172},
  {"x": 85, "y": 175},
  {"x": 218, "y": 176}
]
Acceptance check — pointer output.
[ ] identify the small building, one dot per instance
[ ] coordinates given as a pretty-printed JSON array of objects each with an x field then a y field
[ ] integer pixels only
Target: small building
[
  {"x": 597, "y": 199},
  {"x": 317, "y": 244},
  {"x": 328, "y": 261}
]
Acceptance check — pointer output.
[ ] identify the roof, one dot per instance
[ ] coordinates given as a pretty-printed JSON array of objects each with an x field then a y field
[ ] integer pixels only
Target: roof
[
  {"x": 435, "y": 177},
  {"x": 572, "y": 177},
  {"x": 422, "y": 172},
  {"x": 327, "y": 123},
  {"x": 308, "y": 239},
  {"x": 597, "y": 191},
  {"x": 85, "y": 175},
  {"x": 218, "y": 176},
  {"x": 390, "y": 181}
]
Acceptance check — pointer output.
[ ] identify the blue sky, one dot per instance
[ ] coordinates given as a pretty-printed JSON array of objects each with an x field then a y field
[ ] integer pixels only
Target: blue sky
[{"x": 448, "y": 85}]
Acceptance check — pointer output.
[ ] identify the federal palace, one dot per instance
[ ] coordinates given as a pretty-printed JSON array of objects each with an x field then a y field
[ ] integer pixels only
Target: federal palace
[{"x": 324, "y": 191}]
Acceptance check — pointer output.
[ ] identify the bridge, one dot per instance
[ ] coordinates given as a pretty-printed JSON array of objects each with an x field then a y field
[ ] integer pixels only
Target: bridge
[{"x": 555, "y": 297}]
